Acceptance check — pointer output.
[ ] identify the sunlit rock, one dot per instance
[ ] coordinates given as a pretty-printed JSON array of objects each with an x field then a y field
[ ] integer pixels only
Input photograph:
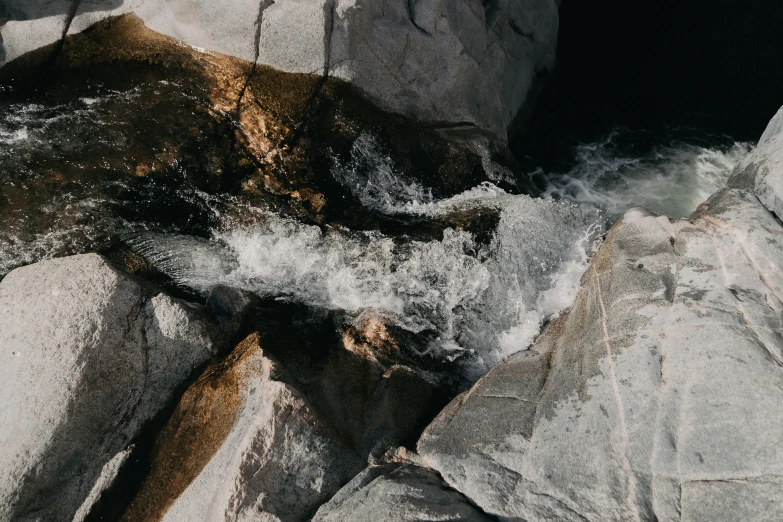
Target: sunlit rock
[
  {"x": 89, "y": 356},
  {"x": 397, "y": 493},
  {"x": 131, "y": 127},
  {"x": 244, "y": 443},
  {"x": 652, "y": 398},
  {"x": 761, "y": 171},
  {"x": 465, "y": 63}
]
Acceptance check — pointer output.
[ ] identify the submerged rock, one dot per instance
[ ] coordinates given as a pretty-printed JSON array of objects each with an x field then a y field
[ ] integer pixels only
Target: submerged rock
[
  {"x": 468, "y": 63},
  {"x": 651, "y": 399},
  {"x": 761, "y": 172},
  {"x": 89, "y": 356},
  {"x": 397, "y": 493}
]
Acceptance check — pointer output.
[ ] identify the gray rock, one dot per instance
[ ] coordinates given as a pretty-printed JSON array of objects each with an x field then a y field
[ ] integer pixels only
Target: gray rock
[
  {"x": 761, "y": 171},
  {"x": 89, "y": 355},
  {"x": 397, "y": 493},
  {"x": 653, "y": 398},
  {"x": 470, "y": 62},
  {"x": 244, "y": 444}
]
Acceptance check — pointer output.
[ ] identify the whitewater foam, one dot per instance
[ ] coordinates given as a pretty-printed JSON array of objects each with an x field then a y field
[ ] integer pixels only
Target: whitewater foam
[
  {"x": 466, "y": 294},
  {"x": 670, "y": 179}
]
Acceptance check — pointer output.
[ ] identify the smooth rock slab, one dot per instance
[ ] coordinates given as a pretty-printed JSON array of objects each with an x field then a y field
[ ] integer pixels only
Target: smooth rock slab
[
  {"x": 397, "y": 493},
  {"x": 89, "y": 355},
  {"x": 761, "y": 171},
  {"x": 244, "y": 444},
  {"x": 469, "y": 62},
  {"x": 655, "y": 398}
]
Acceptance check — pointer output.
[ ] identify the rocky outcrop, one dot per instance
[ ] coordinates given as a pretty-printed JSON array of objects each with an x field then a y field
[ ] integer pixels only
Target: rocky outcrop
[
  {"x": 761, "y": 172},
  {"x": 651, "y": 399},
  {"x": 89, "y": 356},
  {"x": 244, "y": 444},
  {"x": 473, "y": 63},
  {"x": 397, "y": 493}
]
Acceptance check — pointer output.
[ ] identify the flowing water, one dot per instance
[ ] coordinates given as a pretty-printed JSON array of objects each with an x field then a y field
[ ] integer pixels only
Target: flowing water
[{"x": 461, "y": 293}]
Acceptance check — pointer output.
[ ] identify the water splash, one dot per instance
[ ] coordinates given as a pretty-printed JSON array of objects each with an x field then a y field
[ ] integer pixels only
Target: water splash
[
  {"x": 371, "y": 177},
  {"x": 671, "y": 178},
  {"x": 466, "y": 294}
]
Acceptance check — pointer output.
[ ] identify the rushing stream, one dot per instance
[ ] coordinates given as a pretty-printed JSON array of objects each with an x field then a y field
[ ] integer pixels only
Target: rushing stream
[{"x": 489, "y": 297}]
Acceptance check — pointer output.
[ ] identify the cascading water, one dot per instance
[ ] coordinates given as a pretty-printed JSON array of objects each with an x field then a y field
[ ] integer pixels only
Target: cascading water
[
  {"x": 466, "y": 295},
  {"x": 670, "y": 178}
]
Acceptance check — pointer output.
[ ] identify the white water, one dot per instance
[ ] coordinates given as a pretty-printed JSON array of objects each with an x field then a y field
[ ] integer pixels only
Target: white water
[
  {"x": 488, "y": 299},
  {"x": 671, "y": 179}
]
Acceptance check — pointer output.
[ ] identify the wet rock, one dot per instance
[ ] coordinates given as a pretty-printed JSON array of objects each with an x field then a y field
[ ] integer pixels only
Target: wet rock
[
  {"x": 244, "y": 443},
  {"x": 146, "y": 132},
  {"x": 761, "y": 172},
  {"x": 466, "y": 64},
  {"x": 651, "y": 399},
  {"x": 397, "y": 493},
  {"x": 357, "y": 375},
  {"x": 89, "y": 356}
]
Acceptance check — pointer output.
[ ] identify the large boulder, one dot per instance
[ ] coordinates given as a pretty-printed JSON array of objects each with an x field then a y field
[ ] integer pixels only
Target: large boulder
[
  {"x": 470, "y": 63},
  {"x": 398, "y": 493},
  {"x": 653, "y": 398},
  {"x": 244, "y": 444},
  {"x": 89, "y": 356},
  {"x": 761, "y": 171}
]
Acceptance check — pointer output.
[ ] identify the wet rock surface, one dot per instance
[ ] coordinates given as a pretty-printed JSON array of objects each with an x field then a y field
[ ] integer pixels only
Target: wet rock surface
[
  {"x": 471, "y": 64},
  {"x": 140, "y": 131},
  {"x": 650, "y": 399},
  {"x": 243, "y": 443},
  {"x": 90, "y": 356}
]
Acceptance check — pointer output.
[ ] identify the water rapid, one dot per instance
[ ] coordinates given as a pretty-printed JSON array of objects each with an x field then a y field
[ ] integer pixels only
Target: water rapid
[{"x": 484, "y": 296}]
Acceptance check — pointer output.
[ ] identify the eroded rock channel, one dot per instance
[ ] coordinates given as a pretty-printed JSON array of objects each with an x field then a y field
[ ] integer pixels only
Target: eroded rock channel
[{"x": 230, "y": 292}]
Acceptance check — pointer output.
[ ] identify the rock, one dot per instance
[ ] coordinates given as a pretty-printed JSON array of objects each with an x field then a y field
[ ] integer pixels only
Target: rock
[
  {"x": 761, "y": 171},
  {"x": 180, "y": 126},
  {"x": 651, "y": 399},
  {"x": 244, "y": 443},
  {"x": 470, "y": 63},
  {"x": 89, "y": 356},
  {"x": 397, "y": 493}
]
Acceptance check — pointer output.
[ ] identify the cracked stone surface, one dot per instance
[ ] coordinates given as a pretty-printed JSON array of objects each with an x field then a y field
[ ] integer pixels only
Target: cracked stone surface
[
  {"x": 244, "y": 444},
  {"x": 761, "y": 171},
  {"x": 398, "y": 493},
  {"x": 473, "y": 62},
  {"x": 89, "y": 355},
  {"x": 653, "y": 398}
]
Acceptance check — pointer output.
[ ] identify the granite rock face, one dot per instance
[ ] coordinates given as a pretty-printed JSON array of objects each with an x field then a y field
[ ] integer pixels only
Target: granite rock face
[
  {"x": 244, "y": 444},
  {"x": 89, "y": 355},
  {"x": 473, "y": 63},
  {"x": 397, "y": 493},
  {"x": 652, "y": 398},
  {"x": 761, "y": 171}
]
